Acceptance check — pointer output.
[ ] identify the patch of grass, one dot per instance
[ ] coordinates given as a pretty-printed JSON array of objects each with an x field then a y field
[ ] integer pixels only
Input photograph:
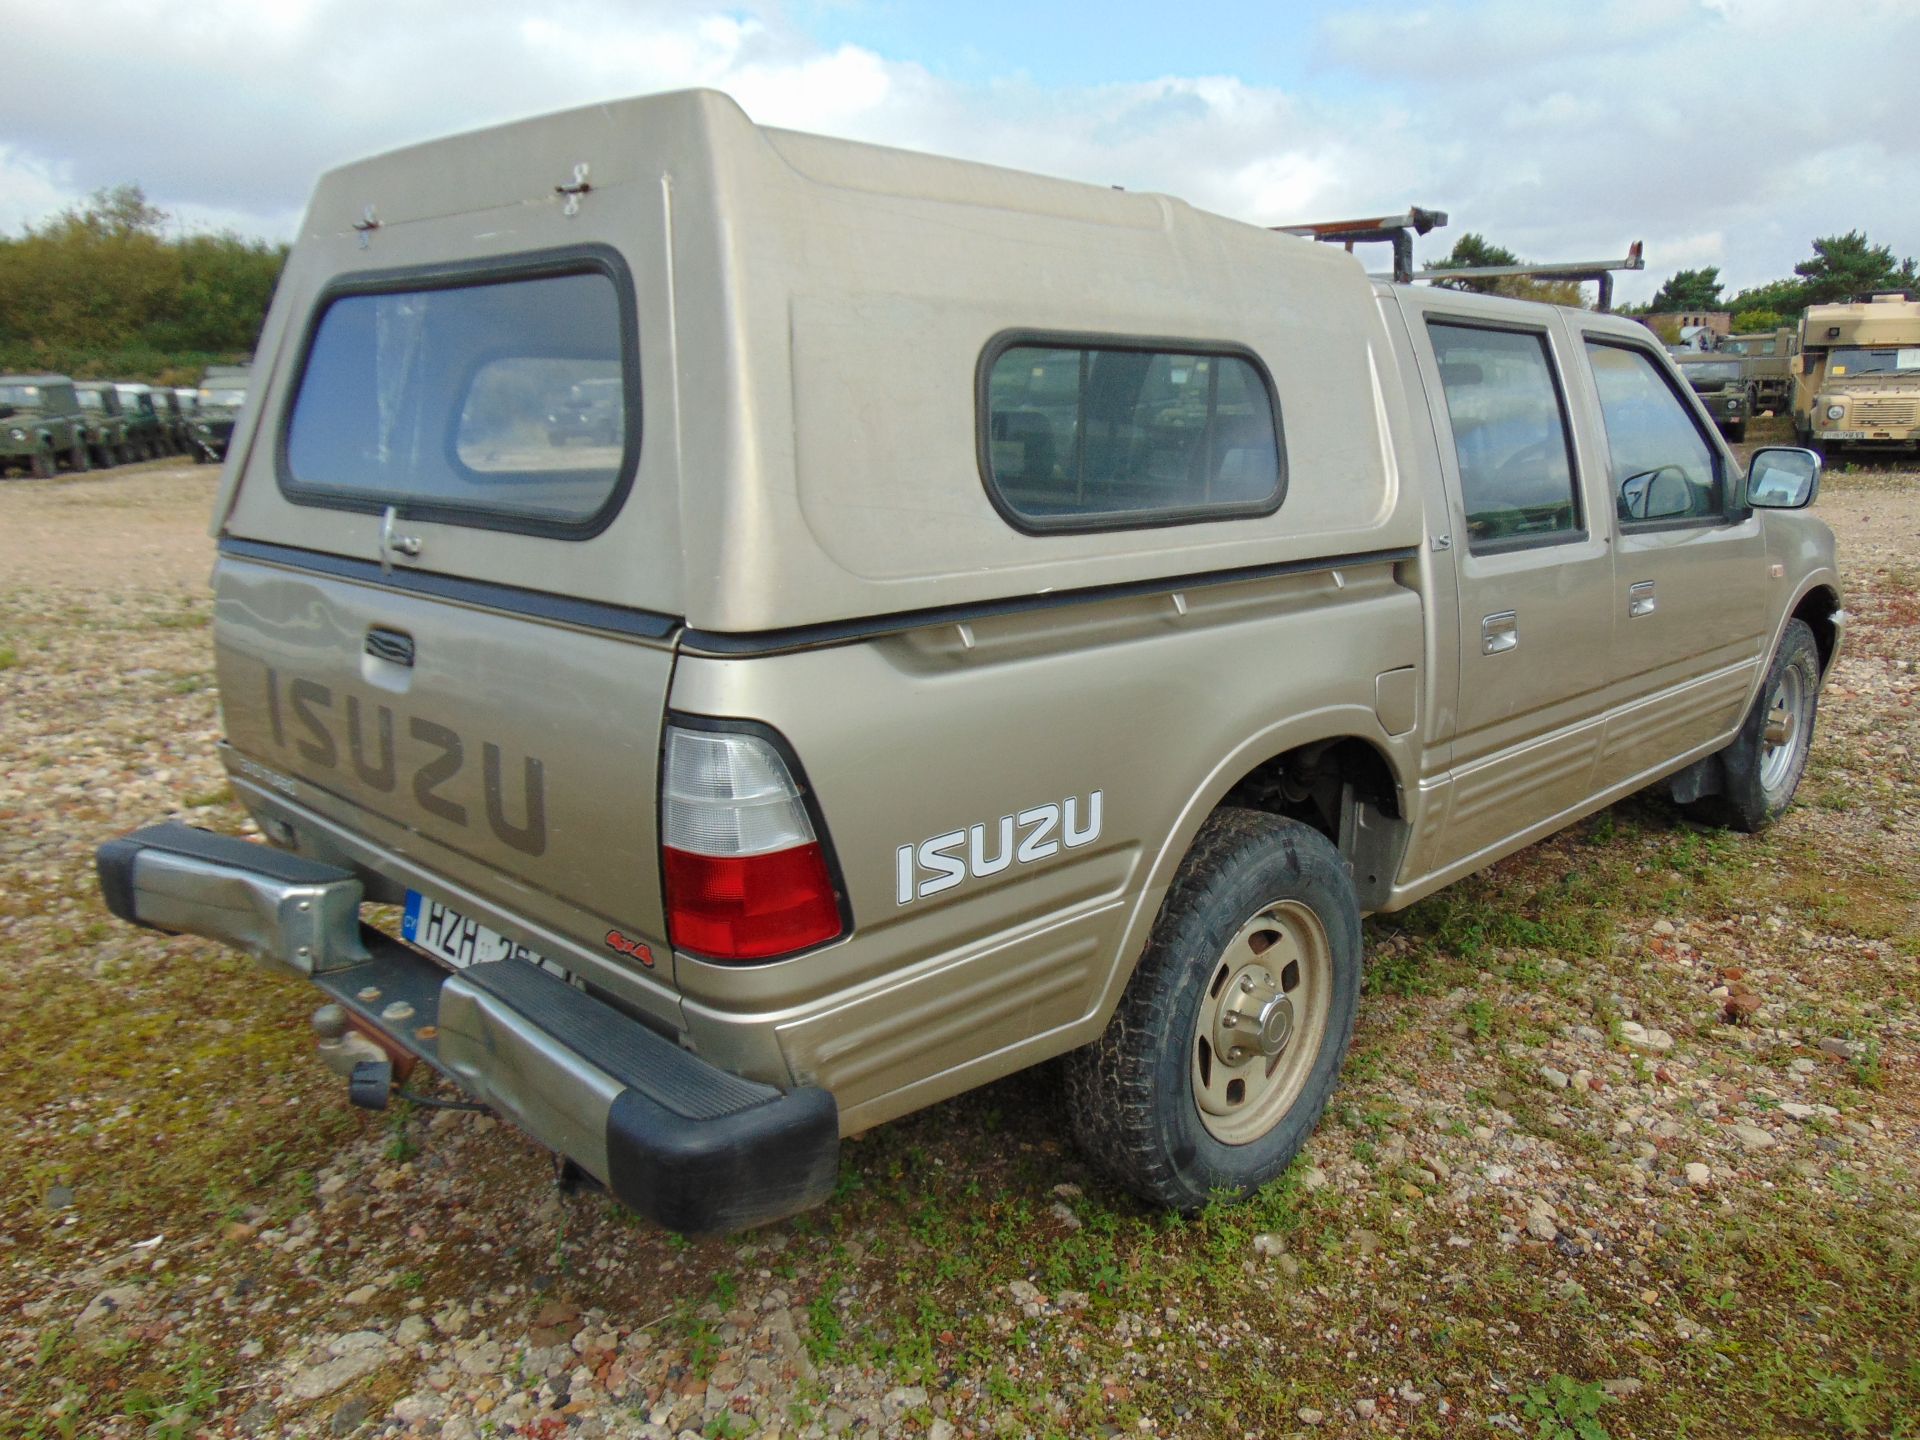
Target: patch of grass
[{"x": 1563, "y": 1408}]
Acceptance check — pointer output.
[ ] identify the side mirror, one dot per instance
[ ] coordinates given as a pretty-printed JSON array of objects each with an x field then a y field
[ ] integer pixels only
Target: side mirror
[{"x": 1783, "y": 478}]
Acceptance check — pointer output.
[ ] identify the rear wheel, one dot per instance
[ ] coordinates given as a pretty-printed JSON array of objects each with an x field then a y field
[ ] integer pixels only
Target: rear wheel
[{"x": 1229, "y": 1038}]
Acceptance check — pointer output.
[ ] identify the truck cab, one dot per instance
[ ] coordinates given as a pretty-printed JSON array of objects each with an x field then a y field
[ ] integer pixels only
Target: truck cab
[{"x": 1858, "y": 380}]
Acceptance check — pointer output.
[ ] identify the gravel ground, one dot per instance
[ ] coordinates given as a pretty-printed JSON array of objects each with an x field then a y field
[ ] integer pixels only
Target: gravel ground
[{"x": 1627, "y": 1140}]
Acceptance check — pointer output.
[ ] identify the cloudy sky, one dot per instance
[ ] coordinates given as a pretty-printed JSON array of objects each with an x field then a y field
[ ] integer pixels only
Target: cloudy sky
[{"x": 1721, "y": 132}]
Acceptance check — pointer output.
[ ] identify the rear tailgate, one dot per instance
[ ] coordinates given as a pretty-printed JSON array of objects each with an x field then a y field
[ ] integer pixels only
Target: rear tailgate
[
  {"x": 515, "y": 756},
  {"x": 445, "y": 621}
]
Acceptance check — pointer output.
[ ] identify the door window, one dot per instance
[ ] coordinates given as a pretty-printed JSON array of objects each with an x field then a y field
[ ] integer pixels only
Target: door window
[
  {"x": 1509, "y": 436},
  {"x": 1664, "y": 469}
]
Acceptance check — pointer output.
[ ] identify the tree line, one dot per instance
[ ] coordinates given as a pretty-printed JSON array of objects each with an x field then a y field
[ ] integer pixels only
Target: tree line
[
  {"x": 1840, "y": 267},
  {"x": 102, "y": 290}
]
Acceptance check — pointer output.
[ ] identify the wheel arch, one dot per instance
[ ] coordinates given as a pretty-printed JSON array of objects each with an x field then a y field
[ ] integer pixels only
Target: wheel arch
[
  {"x": 1819, "y": 607},
  {"x": 1334, "y": 769}
]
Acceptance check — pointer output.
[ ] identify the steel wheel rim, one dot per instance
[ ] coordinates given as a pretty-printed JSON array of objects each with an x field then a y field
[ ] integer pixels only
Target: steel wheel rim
[
  {"x": 1785, "y": 727},
  {"x": 1262, "y": 1022}
]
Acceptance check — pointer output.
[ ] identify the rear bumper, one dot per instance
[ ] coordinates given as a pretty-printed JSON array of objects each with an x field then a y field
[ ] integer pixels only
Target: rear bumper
[{"x": 689, "y": 1145}]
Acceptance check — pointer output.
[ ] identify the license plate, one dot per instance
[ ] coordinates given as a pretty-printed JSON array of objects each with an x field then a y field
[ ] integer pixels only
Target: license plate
[
  {"x": 1843, "y": 434},
  {"x": 446, "y": 934}
]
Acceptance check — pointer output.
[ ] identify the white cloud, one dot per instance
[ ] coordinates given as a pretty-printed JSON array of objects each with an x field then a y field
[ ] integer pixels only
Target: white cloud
[{"x": 1560, "y": 132}]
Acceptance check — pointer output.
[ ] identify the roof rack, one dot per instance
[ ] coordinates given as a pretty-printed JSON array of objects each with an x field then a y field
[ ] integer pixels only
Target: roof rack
[
  {"x": 1598, "y": 271},
  {"x": 1396, "y": 230}
]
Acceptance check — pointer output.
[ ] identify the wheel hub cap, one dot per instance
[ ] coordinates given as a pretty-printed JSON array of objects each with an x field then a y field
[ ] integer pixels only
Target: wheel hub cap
[{"x": 1261, "y": 1023}]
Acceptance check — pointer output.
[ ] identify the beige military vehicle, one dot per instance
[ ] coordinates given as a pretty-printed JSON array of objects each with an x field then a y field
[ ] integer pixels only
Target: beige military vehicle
[
  {"x": 1766, "y": 360},
  {"x": 1009, "y": 619},
  {"x": 1858, "y": 380}
]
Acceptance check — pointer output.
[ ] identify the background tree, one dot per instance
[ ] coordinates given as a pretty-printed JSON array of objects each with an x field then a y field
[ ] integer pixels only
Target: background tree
[
  {"x": 1843, "y": 266},
  {"x": 1688, "y": 290},
  {"x": 102, "y": 289},
  {"x": 1749, "y": 322},
  {"x": 1472, "y": 250},
  {"x": 1776, "y": 297}
]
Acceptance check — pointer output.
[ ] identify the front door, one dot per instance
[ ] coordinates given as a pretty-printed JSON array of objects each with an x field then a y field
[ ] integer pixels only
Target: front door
[
  {"x": 1532, "y": 570},
  {"x": 1690, "y": 562}
]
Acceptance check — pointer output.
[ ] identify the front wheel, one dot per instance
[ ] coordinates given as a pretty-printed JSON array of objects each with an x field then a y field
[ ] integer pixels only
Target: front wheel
[
  {"x": 1737, "y": 431},
  {"x": 44, "y": 466},
  {"x": 1229, "y": 1038},
  {"x": 1764, "y": 763}
]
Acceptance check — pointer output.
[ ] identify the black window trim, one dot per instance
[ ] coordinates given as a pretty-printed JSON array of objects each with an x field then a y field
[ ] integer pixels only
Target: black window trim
[
  {"x": 1583, "y": 529},
  {"x": 583, "y": 259},
  {"x": 1731, "y": 512},
  {"x": 1084, "y": 340}
]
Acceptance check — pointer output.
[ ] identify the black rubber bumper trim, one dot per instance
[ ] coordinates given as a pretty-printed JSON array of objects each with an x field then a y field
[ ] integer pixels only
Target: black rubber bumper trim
[
  {"x": 114, "y": 861},
  {"x": 765, "y": 1163},
  {"x": 689, "y": 1145}
]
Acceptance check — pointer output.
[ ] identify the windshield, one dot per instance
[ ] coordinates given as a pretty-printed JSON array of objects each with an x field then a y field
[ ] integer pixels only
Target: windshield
[
  {"x": 19, "y": 394},
  {"x": 90, "y": 399},
  {"x": 507, "y": 398},
  {"x": 223, "y": 396},
  {"x": 1711, "y": 376},
  {"x": 1874, "y": 362}
]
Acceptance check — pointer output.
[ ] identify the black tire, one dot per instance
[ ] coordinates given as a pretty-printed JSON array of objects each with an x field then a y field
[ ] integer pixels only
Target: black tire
[
  {"x": 1737, "y": 431},
  {"x": 1134, "y": 1096},
  {"x": 1759, "y": 780},
  {"x": 1819, "y": 447},
  {"x": 44, "y": 465},
  {"x": 78, "y": 460}
]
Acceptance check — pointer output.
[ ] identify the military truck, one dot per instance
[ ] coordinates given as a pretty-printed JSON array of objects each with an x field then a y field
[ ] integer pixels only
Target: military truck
[
  {"x": 1767, "y": 359},
  {"x": 1858, "y": 378},
  {"x": 107, "y": 437},
  {"x": 173, "y": 419},
  {"x": 1721, "y": 383},
  {"x": 42, "y": 426},
  {"x": 1041, "y": 628},
  {"x": 147, "y": 435},
  {"x": 217, "y": 405}
]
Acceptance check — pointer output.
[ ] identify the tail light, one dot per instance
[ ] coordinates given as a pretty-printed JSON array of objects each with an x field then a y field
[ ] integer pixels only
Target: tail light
[{"x": 746, "y": 876}]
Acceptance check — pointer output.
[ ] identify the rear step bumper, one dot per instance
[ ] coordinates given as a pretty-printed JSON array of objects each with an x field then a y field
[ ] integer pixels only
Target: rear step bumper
[{"x": 689, "y": 1145}]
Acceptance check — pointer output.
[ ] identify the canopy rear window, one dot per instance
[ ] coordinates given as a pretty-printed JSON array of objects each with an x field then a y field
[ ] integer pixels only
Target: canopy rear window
[{"x": 504, "y": 398}]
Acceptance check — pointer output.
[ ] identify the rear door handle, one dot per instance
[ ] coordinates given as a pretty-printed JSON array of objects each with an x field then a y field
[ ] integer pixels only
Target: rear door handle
[
  {"x": 1640, "y": 599},
  {"x": 1499, "y": 632}
]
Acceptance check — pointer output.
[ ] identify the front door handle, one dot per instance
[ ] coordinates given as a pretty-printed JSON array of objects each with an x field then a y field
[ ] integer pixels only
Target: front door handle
[
  {"x": 1499, "y": 632},
  {"x": 1640, "y": 599}
]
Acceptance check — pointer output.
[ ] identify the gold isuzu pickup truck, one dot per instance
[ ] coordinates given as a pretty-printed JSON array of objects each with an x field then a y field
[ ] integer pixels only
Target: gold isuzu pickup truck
[{"x": 799, "y": 629}]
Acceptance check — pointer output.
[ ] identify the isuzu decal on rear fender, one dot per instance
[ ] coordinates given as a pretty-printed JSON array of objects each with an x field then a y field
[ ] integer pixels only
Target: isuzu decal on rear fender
[{"x": 1025, "y": 837}]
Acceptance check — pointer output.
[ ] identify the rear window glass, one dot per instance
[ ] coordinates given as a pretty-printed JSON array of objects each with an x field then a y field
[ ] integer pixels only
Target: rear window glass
[
  {"x": 501, "y": 403},
  {"x": 1086, "y": 437}
]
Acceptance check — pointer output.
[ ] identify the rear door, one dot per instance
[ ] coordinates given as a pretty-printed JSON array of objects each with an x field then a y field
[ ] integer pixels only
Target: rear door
[
  {"x": 444, "y": 620},
  {"x": 1531, "y": 569}
]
